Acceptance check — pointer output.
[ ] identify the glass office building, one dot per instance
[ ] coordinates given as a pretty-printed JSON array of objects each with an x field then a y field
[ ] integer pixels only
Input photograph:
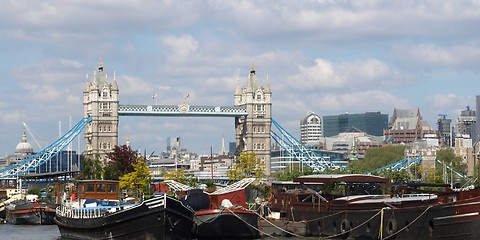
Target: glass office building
[{"x": 373, "y": 123}]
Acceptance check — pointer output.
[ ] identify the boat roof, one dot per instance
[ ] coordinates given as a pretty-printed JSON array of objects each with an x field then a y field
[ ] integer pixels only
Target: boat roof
[
  {"x": 336, "y": 178},
  {"x": 96, "y": 181}
]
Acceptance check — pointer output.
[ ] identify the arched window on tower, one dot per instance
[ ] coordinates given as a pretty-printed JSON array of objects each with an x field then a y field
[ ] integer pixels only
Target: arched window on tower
[
  {"x": 105, "y": 92},
  {"x": 259, "y": 95}
]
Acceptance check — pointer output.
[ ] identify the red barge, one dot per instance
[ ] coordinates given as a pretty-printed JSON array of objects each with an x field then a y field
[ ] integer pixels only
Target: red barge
[{"x": 221, "y": 214}]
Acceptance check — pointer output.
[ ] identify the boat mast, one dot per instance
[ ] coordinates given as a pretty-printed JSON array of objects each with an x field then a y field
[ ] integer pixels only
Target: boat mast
[{"x": 211, "y": 162}]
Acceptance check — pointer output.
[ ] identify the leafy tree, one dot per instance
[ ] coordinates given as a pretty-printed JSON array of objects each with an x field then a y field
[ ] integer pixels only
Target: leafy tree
[
  {"x": 122, "y": 160},
  {"x": 248, "y": 165},
  {"x": 92, "y": 168},
  {"x": 448, "y": 157},
  {"x": 136, "y": 181},
  {"x": 293, "y": 171},
  {"x": 181, "y": 176},
  {"x": 378, "y": 157}
]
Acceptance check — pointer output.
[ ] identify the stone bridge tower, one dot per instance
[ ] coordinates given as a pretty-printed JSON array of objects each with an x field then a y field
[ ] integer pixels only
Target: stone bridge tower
[
  {"x": 100, "y": 100},
  {"x": 253, "y": 130}
]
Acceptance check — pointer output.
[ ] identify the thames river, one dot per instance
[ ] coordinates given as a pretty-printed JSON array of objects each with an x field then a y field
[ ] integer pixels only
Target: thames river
[
  {"x": 49, "y": 232},
  {"x": 29, "y": 232}
]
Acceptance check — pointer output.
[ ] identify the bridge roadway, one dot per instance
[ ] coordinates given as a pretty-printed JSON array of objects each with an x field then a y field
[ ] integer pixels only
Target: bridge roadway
[{"x": 182, "y": 110}]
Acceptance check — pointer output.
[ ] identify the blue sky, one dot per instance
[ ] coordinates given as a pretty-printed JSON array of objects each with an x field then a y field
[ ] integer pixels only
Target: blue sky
[{"x": 329, "y": 57}]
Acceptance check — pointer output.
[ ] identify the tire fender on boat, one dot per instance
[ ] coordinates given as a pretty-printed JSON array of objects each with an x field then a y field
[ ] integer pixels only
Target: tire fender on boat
[
  {"x": 391, "y": 226},
  {"x": 345, "y": 225}
]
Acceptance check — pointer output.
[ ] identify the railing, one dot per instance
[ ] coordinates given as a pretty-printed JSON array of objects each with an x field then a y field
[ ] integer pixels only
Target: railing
[{"x": 82, "y": 213}]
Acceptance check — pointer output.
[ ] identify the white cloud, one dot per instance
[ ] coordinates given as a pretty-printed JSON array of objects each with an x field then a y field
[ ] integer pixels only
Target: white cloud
[
  {"x": 360, "y": 74},
  {"x": 446, "y": 103},
  {"x": 428, "y": 56},
  {"x": 13, "y": 117},
  {"x": 180, "y": 47},
  {"x": 130, "y": 86}
]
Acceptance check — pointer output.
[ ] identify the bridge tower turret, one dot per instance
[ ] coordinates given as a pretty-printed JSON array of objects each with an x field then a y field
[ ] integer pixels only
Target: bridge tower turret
[
  {"x": 100, "y": 100},
  {"x": 253, "y": 130}
]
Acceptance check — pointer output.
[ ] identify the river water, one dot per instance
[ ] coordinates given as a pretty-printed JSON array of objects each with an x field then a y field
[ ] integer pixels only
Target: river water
[
  {"x": 29, "y": 232},
  {"x": 50, "y": 232}
]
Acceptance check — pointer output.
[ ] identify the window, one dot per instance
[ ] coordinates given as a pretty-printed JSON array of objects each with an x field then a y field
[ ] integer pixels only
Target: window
[
  {"x": 112, "y": 188},
  {"x": 89, "y": 188},
  {"x": 101, "y": 187}
]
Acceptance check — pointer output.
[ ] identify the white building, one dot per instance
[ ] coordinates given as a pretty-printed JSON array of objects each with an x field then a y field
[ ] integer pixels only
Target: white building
[{"x": 311, "y": 130}]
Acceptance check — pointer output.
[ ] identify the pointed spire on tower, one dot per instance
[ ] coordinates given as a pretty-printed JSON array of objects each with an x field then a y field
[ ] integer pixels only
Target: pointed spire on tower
[
  {"x": 252, "y": 71},
  {"x": 237, "y": 88},
  {"x": 114, "y": 84},
  {"x": 267, "y": 85}
]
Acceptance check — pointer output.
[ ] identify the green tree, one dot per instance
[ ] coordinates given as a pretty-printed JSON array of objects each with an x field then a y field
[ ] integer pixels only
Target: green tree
[
  {"x": 122, "y": 160},
  {"x": 448, "y": 157},
  {"x": 181, "y": 176},
  {"x": 248, "y": 165},
  {"x": 292, "y": 171},
  {"x": 378, "y": 157},
  {"x": 136, "y": 181},
  {"x": 91, "y": 168}
]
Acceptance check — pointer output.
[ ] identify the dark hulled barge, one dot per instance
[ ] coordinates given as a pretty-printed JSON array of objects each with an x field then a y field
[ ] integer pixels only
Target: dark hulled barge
[
  {"x": 160, "y": 217},
  {"x": 30, "y": 211},
  {"x": 353, "y": 205}
]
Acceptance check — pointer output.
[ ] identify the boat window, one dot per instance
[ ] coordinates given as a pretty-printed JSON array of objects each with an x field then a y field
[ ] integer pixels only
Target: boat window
[
  {"x": 112, "y": 188},
  {"x": 101, "y": 187},
  {"x": 89, "y": 187}
]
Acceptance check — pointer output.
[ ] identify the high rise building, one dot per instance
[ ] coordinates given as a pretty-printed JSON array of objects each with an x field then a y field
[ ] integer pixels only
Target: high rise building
[
  {"x": 444, "y": 130},
  {"x": 311, "y": 130},
  {"x": 465, "y": 124},
  {"x": 373, "y": 123}
]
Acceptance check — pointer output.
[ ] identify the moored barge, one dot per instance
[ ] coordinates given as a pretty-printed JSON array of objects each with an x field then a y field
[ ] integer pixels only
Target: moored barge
[{"x": 359, "y": 206}]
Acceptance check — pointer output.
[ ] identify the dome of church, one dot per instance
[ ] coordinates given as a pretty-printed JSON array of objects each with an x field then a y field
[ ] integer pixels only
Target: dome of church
[{"x": 24, "y": 146}]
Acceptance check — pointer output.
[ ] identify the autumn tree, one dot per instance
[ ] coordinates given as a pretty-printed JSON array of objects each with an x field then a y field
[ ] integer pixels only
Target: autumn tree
[
  {"x": 136, "y": 181},
  {"x": 121, "y": 161},
  {"x": 248, "y": 165}
]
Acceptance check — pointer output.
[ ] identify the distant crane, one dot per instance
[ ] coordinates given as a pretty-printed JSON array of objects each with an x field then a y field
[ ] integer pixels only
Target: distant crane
[
  {"x": 32, "y": 135},
  {"x": 443, "y": 115}
]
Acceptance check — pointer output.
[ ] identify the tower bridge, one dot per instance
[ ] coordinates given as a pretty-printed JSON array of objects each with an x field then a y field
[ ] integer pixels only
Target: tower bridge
[{"x": 252, "y": 114}]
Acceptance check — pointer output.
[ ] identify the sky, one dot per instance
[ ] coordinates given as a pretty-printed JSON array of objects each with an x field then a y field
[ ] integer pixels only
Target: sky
[{"x": 328, "y": 57}]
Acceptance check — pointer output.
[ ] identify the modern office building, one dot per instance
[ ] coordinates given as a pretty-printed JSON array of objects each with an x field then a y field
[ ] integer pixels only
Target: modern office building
[
  {"x": 465, "y": 124},
  {"x": 373, "y": 123},
  {"x": 311, "y": 130},
  {"x": 445, "y": 131},
  {"x": 64, "y": 161}
]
